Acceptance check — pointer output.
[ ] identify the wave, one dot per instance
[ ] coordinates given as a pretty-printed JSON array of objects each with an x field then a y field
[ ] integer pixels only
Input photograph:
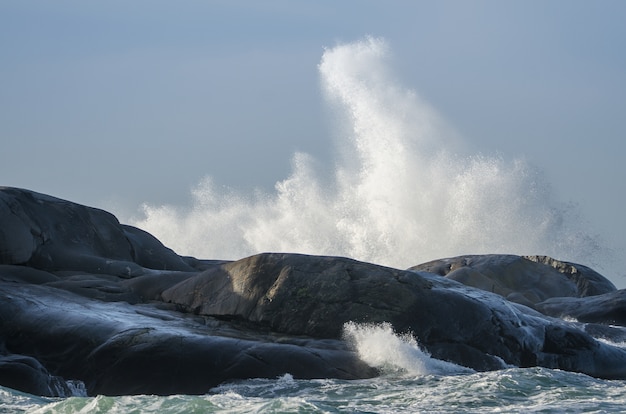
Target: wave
[
  {"x": 512, "y": 390},
  {"x": 398, "y": 193},
  {"x": 380, "y": 347}
]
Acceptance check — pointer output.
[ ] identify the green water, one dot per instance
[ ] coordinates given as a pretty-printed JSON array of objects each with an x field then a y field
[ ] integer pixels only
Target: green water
[{"x": 512, "y": 390}]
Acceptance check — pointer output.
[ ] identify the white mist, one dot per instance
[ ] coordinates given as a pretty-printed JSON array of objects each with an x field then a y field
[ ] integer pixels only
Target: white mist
[{"x": 398, "y": 194}]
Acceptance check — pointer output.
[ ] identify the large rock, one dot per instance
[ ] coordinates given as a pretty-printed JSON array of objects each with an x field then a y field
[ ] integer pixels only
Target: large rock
[
  {"x": 48, "y": 233},
  {"x": 26, "y": 374},
  {"x": 312, "y": 295},
  {"x": 117, "y": 348},
  {"x": 527, "y": 280},
  {"x": 299, "y": 294},
  {"x": 608, "y": 309},
  {"x": 84, "y": 298}
]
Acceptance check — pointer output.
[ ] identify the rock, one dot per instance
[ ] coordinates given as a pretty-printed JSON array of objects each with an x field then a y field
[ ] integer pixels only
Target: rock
[
  {"x": 117, "y": 348},
  {"x": 48, "y": 233},
  {"x": 57, "y": 234},
  {"x": 527, "y": 280},
  {"x": 26, "y": 275},
  {"x": 588, "y": 281},
  {"x": 316, "y": 296},
  {"x": 148, "y": 251},
  {"x": 608, "y": 309},
  {"x": 84, "y": 299},
  {"x": 28, "y": 375},
  {"x": 297, "y": 294}
]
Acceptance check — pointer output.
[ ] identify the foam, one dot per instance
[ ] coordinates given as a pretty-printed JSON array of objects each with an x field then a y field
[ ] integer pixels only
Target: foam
[
  {"x": 380, "y": 347},
  {"x": 399, "y": 193}
]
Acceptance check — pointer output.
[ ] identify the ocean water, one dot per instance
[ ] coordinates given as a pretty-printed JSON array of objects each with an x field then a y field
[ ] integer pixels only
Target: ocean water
[
  {"x": 513, "y": 390},
  {"x": 412, "y": 382}
]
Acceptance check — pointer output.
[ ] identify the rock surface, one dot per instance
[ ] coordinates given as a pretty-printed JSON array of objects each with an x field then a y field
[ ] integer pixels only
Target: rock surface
[
  {"x": 608, "y": 309},
  {"x": 85, "y": 298},
  {"x": 527, "y": 280}
]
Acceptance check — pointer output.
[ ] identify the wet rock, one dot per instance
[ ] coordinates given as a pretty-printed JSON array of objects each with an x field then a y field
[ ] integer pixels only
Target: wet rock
[
  {"x": 608, "y": 309},
  {"x": 527, "y": 280},
  {"x": 84, "y": 298},
  {"x": 313, "y": 295}
]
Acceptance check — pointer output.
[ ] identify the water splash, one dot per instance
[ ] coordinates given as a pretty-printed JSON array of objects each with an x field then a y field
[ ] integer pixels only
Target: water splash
[
  {"x": 398, "y": 195},
  {"x": 380, "y": 347}
]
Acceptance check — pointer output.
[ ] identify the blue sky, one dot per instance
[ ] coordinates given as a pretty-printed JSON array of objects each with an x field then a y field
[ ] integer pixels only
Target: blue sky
[{"x": 116, "y": 103}]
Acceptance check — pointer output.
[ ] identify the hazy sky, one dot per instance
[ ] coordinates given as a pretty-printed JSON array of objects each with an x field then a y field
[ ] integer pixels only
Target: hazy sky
[{"x": 116, "y": 103}]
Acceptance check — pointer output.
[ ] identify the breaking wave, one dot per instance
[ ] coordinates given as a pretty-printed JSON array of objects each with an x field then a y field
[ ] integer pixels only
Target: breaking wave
[
  {"x": 379, "y": 346},
  {"x": 398, "y": 193}
]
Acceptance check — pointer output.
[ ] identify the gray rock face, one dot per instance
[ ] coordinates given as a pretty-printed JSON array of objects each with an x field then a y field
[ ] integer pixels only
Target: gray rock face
[
  {"x": 117, "y": 348},
  {"x": 608, "y": 309},
  {"x": 48, "y": 233},
  {"x": 299, "y": 294},
  {"x": 588, "y": 281},
  {"x": 27, "y": 374},
  {"x": 85, "y": 298},
  {"x": 310, "y": 295},
  {"x": 527, "y": 280}
]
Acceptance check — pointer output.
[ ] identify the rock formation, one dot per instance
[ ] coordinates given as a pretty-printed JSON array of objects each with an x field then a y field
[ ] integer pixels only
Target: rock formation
[
  {"x": 88, "y": 300},
  {"x": 527, "y": 280}
]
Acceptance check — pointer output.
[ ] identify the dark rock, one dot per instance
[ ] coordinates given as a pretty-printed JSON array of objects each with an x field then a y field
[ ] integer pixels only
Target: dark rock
[
  {"x": 298, "y": 294},
  {"x": 614, "y": 334},
  {"x": 116, "y": 348},
  {"x": 84, "y": 298},
  {"x": 51, "y": 234},
  {"x": 310, "y": 295},
  {"x": 27, "y": 275},
  {"x": 588, "y": 281},
  {"x": 28, "y": 375},
  {"x": 527, "y": 280},
  {"x": 150, "y": 287},
  {"x": 609, "y": 308},
  {"x": 148, "y": 251}
]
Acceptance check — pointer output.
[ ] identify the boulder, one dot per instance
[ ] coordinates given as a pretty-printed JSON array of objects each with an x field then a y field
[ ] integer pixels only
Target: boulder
[
  {"x": 147, "y": 251},
  {"x": 527, "y": 280},
  {"x": 49, "y": 233},
  {"x": 313, "y": 295},
  {"x": 26, "y": 374},
  {"x": 118, "y": 348},
  {"x": 607, "y": 309},
  {"x": 87, "y": 300}
]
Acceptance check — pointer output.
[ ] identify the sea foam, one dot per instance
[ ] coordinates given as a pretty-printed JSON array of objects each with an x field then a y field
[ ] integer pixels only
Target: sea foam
[
  {"x": 399, "y": 192},
  {"x": 379, "y": 346}
]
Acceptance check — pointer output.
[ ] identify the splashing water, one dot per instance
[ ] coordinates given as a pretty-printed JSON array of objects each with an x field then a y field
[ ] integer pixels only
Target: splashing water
[
  {"x": 398, "y": 196},
  {"x": 380, "y": 347}
]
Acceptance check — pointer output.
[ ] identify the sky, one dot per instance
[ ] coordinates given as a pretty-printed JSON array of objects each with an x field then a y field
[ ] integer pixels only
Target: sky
[{"x": 114, "y": 104}]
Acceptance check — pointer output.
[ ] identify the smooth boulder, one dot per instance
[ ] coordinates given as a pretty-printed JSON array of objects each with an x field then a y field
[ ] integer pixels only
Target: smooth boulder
[
  {"x": 316, "y": 295},
  {"x": 527, "y": 280},
  {"x": 607, "y": 309},
  {"x": 49, "y": 233},
  {"x": 87, "y": 300},
  {"x": 115, "y": 348}
]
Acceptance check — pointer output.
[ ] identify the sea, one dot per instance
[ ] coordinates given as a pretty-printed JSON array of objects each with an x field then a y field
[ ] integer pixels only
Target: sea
[
  {"x": 402, "y": 190},
  {"x": 513, "y": 390}
]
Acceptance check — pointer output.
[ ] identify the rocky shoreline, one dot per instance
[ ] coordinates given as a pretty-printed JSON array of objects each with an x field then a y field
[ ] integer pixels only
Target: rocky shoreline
[{"x": 87, "y": 300}]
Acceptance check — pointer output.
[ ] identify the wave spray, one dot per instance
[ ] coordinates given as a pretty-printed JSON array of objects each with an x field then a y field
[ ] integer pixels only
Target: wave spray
[
  {"x": 397, "y": 193},
  {"x": 379, "y": 346}
]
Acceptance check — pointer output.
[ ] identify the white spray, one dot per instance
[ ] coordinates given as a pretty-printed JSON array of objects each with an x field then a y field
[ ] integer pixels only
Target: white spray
[
  {"x": 398, "y": 195},
  {"x": 380, "y": 347}
]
